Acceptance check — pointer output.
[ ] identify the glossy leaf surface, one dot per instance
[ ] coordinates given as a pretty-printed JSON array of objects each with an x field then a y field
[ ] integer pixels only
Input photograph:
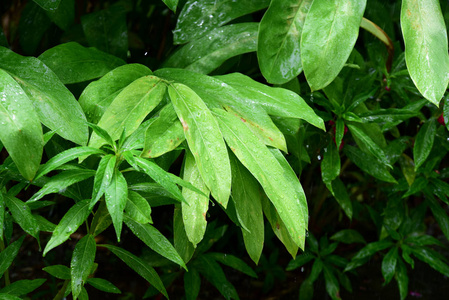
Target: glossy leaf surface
[
  {"x": 81, "y": 264},
  {"x": 280, "y": 31},
  {"x": 116, "y": 196},
  {"x": 103, "y": 285},
  {"x": 22, "y": 287},
  {"x": 426, "y": 49},
  {"x": 328, "y": 37},
  {"x": 22, "y": 215},
  {"x": 103, "y": 177},
  {"x": 137, "y": 208},
  {"x": 8, "y": 254},
  {"x": 58, "y": 271},
  {"x": 424, "y": 142},
  {"x": 51, "y": 5}
]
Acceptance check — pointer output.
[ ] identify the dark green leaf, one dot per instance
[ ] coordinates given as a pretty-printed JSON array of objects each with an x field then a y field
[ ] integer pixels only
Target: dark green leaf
[
  {"x": 172, "y": 4},
  {"x": 369, "y": 144},
  {"x": 74, "y": 63},
  {"x": 64, "y": 16},
  {"x": 317, "y": 267},
  {"x": 338, "y": 190},
  {"x": 330, "y": 165},
  {"x": 8, "y": 297},
  {"x": 181, "y": 242},
  {"x": 83, "y": 257},
  {"x": 440, "y": 215},
  {"x": 424, "y": 142},
  {"x": 332, "y": 286},
  {"x": 22, "y": 215},
  {"x": 233, "y": 262},
  {"x": 116, "y": 196},
  {"x": 402, "y": 279},
  {"x": 51, "y": 5},
  {"x": 389, "y": 264},
  {"x": 192, "y": 284},
  {"x": 22, "y": 287},
  {"x": 299, "y": 261},
  {"x": 58, "y": 271},
  {"x": 31, "y": 36},
  {"x": 103, "y": 285},
  {"x": 306, "y": 290},
  {"x": 9, "y": 253},
  {"x": 348, "y": 236}
]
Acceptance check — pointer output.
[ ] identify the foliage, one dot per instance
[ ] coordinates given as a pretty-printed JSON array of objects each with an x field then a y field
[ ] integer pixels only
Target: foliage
[{"x": 106, "y": 123}]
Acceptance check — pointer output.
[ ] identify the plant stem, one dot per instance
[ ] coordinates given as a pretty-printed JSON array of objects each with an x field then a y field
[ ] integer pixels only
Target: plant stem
[{"x": 60, "y": 294}]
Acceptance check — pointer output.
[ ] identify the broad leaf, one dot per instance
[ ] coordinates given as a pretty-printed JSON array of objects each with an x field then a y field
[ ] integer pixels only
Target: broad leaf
[
  {"x": 432, "y": 258},
  {"x": 204, "y": 139},
  {"x": 22, "y": 215},
  {"x": 424, "y": 142},
  {"x": 20, "y": 129},
  {"x": 116, "y": 196},
  {"x": 55, "y": 105},
  {"x": 181, "y": 242},
  {"x": 74, "y": 63},
  {"x": 210, "y": 51},
  {"x": 280, "y": 31},
  {"x": 30, "y": 37},
  {"x": 426, "y": 49},
  {"x": 328, "y": 37},
  {"x": 64, "y": 15},
  {"x": 69, "y": 223},
  {"x": 81, "y": 264}
]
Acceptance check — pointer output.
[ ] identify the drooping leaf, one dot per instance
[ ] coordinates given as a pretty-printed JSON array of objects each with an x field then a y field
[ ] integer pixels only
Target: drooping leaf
[
  {"x": 31, "y": 36},
  {"x": 299, "y": 261},
  {"x": 195, "y": 208},
  {"x": 426, "y": 49},
  {"x": 74, "y": 63},
  {"x": 204, "y": 139},
  {"x": 155, "y": 240},
  {"x": 103, "y": 285},
  {"x": 280, "y": 31},
  {"x": 99, "y": 94},
  {"x": 424, "y": 142},
  {"x": 137, "y": 208},
  {"x": 233, "y": 262},
  {"x": 141, "y": 267},
  {"x": 270, "y": 173},
  {"x": 130, "y": 108},
  {"x": 69, "y": 223},
  {"x": 199, "y": 17},
  {"x": 328, "y": 37},
  {"x": 440, "y": 216},
  {"x": 332, "y": 285},
  {"x": 22, "y": 215},
  {"x": 81, "y": 264},
  {"x": 9, "y": 253},
  {"x": 55, "y": 105},
  {"x": 116, "y": 196},
  {"x": 276, "y": 101},
  {"x": 22, "y": 287},
  {"x": 210, "y": 51},
  {"x": 402, "y": 279},
  {"x": 432, "y": 258},
  {"x": 20, "y": 129}
]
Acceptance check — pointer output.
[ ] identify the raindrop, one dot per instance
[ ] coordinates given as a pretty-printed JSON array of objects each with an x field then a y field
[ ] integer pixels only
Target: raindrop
[
  {"x": 302, "y": 269},
  {"x": 319, "y": 157}
]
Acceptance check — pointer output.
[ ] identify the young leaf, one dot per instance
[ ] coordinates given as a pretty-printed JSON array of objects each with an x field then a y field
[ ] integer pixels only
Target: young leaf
[
  {"x": 55, "y": 105},
  {"x": 98, "y": 95},
  {"x": 141, "y": 267},
  {"x": 20, "y": 129},
  {"x": 103, "y": 285},
  {"x": 210, "y": 51},
  {"x": 233, "y": 262},
  {"x": 195, "y": 207},
  {"x": 22, "y": 287},
  {"x": 69, "y": 223},
  {"x": 268, "y": 171},
  {"x": 22, "y": 215},
  {"x": 424, "y": 142},
  {"x": 328, "y": 37},
  {"x": 389, "y": 264},
  {"x": 426, "y": 49},
  {"x": 130, "y": 108},
  {"x": 58, "y": 271},
  {"x": 116, "y": 196},
  {"x": 103, "y": 177},
  {"x": 155, "y": 240},
  {"x": 137, "y": 208},
  {"x": 103, "y": 134},
  {"x": 74, "y": 63},
  {"x": 199, "y": 17},
  {"x": 204, "y": 139},
  {"x": 82, "y": 261},
  {"x": 9, "y": 253},
  {"x": 279, "y": 39}
]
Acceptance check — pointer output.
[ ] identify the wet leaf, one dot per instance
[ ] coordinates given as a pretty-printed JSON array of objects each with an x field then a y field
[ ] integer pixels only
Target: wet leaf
[
  {"x": 83, "y": 257},
  {"x": 58, "y": 271},
  {"x": 340, "y": 193},
  {"x": 204, "y": 139},
  {"x": 348, "y": 236},
  {"x": 51, "y": 5},
  {"x": 172, "y": 4},
  {"x": 181, "y": 242},
  {"x": 103, "y": 285},
  {"x": 22, "y": 215},
  {"x": 389, "y": 264},
  {"x": 233, "y": 262},
  {"x": 137, "y": 208},
  {"x": 22, "y": 287},
  {"x": 116, "y": 196},
  {"x": 9, "y": 253},
  {"x": 279, "y": 39},
  {"x": 440, "y": 215},
  {"x": 74, "y": 63},
  {"x": 328, "y": 37},
  {"x": 103, "y": 177},
  {"x": 330, "y": 165},
  {"x": 211, "y": 50},
  {"x": 424, "y": 142},
  {"x": 55, "y": 105},
  {"x": 192, "y": 284},
  {"x": 426, "y": 49},
  {"x": 402, "y": 279},
  {"x": 20, "y": 128},
  {"x": 64, "y": 15}
]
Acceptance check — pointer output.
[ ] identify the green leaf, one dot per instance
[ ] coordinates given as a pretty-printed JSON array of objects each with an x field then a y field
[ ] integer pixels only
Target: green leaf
[
  {"x": 103, "y": 285},
  {"x": 164, "y": 134},
  {"x": 299, "y": 261},
  {"x": 2, "y": 216},
  {"x": 74, "y": 63},
  {"x": 280, "y": 31},
  {"x": 199, "y": 17},
  {"x": 44, "y": 224},
  {"x": 372, "y": 248},
  {"x": 205, "y": 141},
  {"x": 103, "y": 177},
  {"x": 212, "y": 271},
  {"x": 368, "y": 164},
  {"x": 20, "y": 129},
  {"x": 58, "y": 271},
  {"x": 338, "y": 190},
  {"x": 211, "y": 50},
  {"x": 402, "y": 279},
  {"x": 99, "y": 94},
  {"x": 330, "y": 165},
  {"x": 172, "y": 4},
  {"x": 22, "y": 287},
  {"x": 440, "y": 216},
  {"x": 192, "y": 284},
  {"x": 83, "y": 257},
  {"x": 332, "y": 286},
  {"x": 60, "y": 182},
  {"x": 247, "y": 199},
  {"x": 426, "y": 49},
  {"x": 63, "y": 157},
  {"x": 55, "y": 105},
  {"x": 233, "y": 262},
  {"x": 141, "y": 267},
  {"x": 348, "y": 236},
  {"x": 104, "y": 135},
  {"x": 8, "y": 297},
  {"x": 389, "y": 264},
  {"x": 275, "y": 101},
  {"x": 181, "y": 242},
  {"x": 64, "y": 15},
  {"x": 106, "y": 29},
  {"x": 328, "y": 37},
  {"x": 116, "y": 196},
  {"x": 30, "y": 37},
  {"x": 22, "y": 215},
  {"x": 195, "y": 207},
  {"x": 274, "y": 177},
  {"x": 424, "y": 142},
  {"x": 51, "y": 5},
  {"x": 155, "y": 240},
  {"x": 306, "y": 290},
  {"x": 137, "y": 208},
  {"x": 69, "y": 223},
  {"x": 130, "y": 108},
  {"x": 9, "y": 253}
]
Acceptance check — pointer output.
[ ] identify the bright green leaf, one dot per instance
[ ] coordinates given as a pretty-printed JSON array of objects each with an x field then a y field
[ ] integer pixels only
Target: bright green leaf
[
  {"x": 137, "y": 208},
  {"x": 22, "y": 287},
  {"x": 116, "y": 196},
  {"x": 103, "y": 177},
  {"x": 83, "y": 257}
]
